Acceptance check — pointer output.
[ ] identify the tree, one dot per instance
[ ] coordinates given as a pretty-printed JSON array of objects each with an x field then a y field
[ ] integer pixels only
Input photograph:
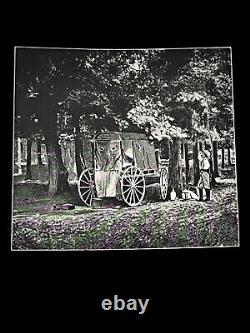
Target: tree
[
  {"x": 187, "y": 166},
  {"x": 44, "y": 83},
  {"x": 207, "y": 80},
  {"x": 25, "y": 123},
  {"x": 39, "y": 151}
]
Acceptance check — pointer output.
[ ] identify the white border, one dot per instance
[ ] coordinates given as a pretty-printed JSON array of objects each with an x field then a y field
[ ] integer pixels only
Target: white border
[
  {"x": 120, "y": 49},
  {"x": 13, "y": 148},
  {"x": 235, "y": 149}
]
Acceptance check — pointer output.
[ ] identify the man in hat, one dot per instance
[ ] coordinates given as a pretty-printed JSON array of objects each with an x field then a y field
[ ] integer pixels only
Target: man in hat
[{"x": 205, "y": 175}]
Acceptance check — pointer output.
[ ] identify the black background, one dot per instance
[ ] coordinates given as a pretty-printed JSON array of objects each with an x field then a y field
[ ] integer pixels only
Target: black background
[{"x": 186, "y": 286}]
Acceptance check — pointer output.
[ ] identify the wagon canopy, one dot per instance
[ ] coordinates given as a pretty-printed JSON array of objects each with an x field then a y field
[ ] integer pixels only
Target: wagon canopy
[
  {"x": 135, "y": 146},
  {"x": 110, "y": 136}
]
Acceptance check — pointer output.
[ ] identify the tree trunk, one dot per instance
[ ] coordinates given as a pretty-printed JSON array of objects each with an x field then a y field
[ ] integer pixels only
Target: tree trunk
[
  {"x": 229, "y": 156},
  {"x": 215, "y": 157},
  {"x": 200, "y": 146},
  {"x": 211, "y": 160},
  {"x": 186, "y": 162},
  {"x": 28, "y": 162},
  {"x": 222, "y": 158},
  {"x": 164, "y": 147},
  {"x": 39, "y": 152},
  {"x": 174, "y": 167},
  {"x": 19, "y": 156},
  {"x": 196, "y": 163},
  {"x": 213, "y": 181},
  {"x": 182, "y": 150},
  {"x": 58, "y": 174},
  {"x": 79, "y": 158}
]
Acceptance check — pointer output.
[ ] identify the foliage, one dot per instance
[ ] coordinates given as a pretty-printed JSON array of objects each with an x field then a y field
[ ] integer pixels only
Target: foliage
[
  {"x": 206, "y": 86},
  {"x": 162, "y": 92}
]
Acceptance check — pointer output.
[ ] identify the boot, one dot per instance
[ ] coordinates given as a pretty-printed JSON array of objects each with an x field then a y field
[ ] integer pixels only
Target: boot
[
  {"x": 200, "y": 194},
  {"x": 207, "y": 195}
]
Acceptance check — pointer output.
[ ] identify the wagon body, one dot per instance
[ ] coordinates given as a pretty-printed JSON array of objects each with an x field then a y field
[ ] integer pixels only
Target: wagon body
[{"x": 117, "y": 164}]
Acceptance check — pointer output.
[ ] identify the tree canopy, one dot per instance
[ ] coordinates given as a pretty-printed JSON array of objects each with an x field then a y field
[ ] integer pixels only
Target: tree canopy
[{"x": 163, "y": 92}]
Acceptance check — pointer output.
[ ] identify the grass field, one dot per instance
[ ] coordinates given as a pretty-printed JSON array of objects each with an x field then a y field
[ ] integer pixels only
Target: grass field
[{"x": 110, "y": 225}]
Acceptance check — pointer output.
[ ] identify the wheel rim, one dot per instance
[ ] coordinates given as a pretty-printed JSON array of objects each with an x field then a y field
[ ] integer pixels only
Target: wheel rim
[
  {"x": 164, "y": 184},
  {"x": 86, "y": 186},
  {"x": 132, "y": 186}
]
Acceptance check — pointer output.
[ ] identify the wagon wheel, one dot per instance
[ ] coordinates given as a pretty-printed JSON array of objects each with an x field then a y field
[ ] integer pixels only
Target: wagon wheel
[
  {"x": 132, "y": 186},
  {"x": 86, "y": 186},
  {"x": 164, "y": 183}
]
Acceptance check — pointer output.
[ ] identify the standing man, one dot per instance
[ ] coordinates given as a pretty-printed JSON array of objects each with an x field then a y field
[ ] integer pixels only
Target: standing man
[{"x": 205, "y": 176}]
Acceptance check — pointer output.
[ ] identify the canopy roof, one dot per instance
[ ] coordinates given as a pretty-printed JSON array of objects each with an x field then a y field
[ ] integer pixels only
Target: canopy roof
[
  {"x": 110, "y": 136},
  {"x": 135, "y": 146}
]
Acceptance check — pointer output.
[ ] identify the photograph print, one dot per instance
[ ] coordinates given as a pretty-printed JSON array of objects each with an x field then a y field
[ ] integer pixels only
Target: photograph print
[{"x": 120, "y": 149}]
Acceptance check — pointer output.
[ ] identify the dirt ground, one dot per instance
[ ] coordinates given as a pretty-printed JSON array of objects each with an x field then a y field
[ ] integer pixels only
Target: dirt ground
[{"x": 111, "y": 225}]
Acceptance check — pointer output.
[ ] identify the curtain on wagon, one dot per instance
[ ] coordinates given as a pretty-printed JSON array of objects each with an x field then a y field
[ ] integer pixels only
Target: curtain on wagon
[
  {"x": 144, "y": 154},
  {"x": 108, "y": 165},
  {"x": 128, "y": 153},
  {"x": 108, "y": 155}
]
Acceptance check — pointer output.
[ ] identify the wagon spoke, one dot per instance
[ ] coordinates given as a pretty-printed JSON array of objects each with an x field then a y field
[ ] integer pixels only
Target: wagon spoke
[
  {"x": 138, "y": 199},
  {"x": 141, "y": 180},
  {"x": 129, "y": 194},
  {"x": 128, "y": 178},
  {"x": 138, "y": 190},
  {"x": 88, "y": 196},
  {"x": 87, "y": 176},
  {"x": 127, "y": 190},
  {"x": 130, "y": 201},
  {"x": 88, "y": 190},
  {"x": 130, "y": 189},
  {"x": 83, "y": 181},
  {"x": 138, "y": 175},
  {"x": 133, "y": 194}
]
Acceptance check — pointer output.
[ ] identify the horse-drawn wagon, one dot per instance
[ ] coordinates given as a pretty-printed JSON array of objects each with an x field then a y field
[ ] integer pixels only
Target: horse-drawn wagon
[{"x": 121, "y": 165}]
